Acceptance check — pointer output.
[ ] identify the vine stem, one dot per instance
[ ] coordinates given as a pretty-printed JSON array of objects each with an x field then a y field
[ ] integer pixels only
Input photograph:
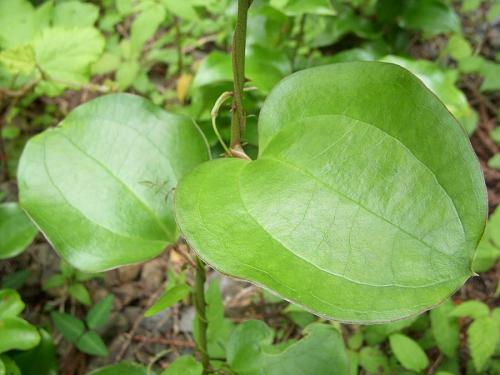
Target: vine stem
[
  {"x": 237, "y": 129},
  {"x": 200, "y": 306},
  {"x": 238, "y": 61}
]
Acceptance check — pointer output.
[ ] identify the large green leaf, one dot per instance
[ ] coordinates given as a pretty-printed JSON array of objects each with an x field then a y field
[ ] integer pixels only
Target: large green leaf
[
  {"x": 98, "y": 185},
  {"x": 16, "y": 230},
  {"x": 249, "y": 351},
  {"x": 366, "y": 202},
  {"x": 16, "y": 333},
  {"x": 442, "y": 83}
]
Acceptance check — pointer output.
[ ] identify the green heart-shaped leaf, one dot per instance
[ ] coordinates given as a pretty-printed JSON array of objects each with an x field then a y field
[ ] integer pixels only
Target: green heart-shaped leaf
[
  {"x": 98, "y": 185},
  {"x": 366, "y": 202}
]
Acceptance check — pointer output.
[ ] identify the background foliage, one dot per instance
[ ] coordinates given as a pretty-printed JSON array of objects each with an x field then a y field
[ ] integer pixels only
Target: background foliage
[{"x": 55, "y": 55}]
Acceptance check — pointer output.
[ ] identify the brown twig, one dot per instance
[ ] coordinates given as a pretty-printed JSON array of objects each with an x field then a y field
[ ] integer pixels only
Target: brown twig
[{"x": 165, "y": 341}]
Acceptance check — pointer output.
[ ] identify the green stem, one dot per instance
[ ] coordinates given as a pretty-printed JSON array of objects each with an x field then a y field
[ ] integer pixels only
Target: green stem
[
  {"x": 200, "y": 305},
  {"x": 238, "y": 59}
]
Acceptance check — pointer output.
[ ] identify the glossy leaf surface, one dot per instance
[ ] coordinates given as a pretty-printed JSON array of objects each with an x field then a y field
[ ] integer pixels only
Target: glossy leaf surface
[
  {"x": 442, "y": 83},
  {"x": 99, "y": 184},
  {"x": 16, "y": 333},
  {"x": 366, "y": 202}
]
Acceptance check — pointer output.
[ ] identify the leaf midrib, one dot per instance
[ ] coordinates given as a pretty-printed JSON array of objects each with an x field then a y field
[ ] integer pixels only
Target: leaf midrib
[
  {"x": 127, "y": 188},
  {"x": 320, "y": 268}
]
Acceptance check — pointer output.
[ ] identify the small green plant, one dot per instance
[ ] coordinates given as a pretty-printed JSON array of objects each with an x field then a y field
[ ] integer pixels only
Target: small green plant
[
  {"x": 83, "y": 333},
  {"x": 24, "y": 348},
  {"x": 72, "y": 280}
]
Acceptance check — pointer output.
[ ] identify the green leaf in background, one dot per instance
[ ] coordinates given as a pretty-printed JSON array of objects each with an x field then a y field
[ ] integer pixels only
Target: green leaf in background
[
  {"x": 41, "y": 360},
  {"x": 491, "y": 73},
  {"x": 97, "y": 214},
  {"x": 442, "y": 83},
  {"x": 185, "y": 9},
  {"x": 8, "y": 366},
  {"x": 126, "y": 74},
  {"x": 16, "y": 230},
  {"x": 108, "y": 63},
  {"x": 471, "y": 309},
  {"x": 184, "y": 365},
  {"x": 483, "y": 338},
  {"x": 68, "y": 326},
  {"x": 488, "y": 251},
  {"x": 494, "y": 162},
  {"x": 373, "y": 360},
  {"x": 170, "y": 297},
  {"x": 11, "y": 303},
  {"x": 73, "y": 13},
  {"x": 408, "y": 352},
  {"x": 349, "y": 171},
  {"x": 19, "y": 22},
  {"x": 219, "y": 328},
  {"x": 470, "y": 5},
  {"x": 264, "y": 68},
  {"x": 123, "y": 368},
  {"x": 19, "y": 60},
  {"x": 92, "y": 344},
  {"x": 15, "y": 280},
  {"x": 215, "y": 68},
  {"x": 144, "y": 27},
  {"x": 99, "y": 313},
  {"x": 378, "y": 333},
  {"x": 430, "y": 16},
  {"x": 445, "y": 329},
  {"x": 298, "y": 315},
  {"x": 249, "y": 351},
  {"x": 54, "y": 281},
  {"x": 16, "y": 333},
  {"x": 65, "y": 55},
  {"x": 301, "y": 7},
  {"x": 458, "y": 47},
  {"x": 495, "y": 135},
  {"x": 80, "y": 293}
]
